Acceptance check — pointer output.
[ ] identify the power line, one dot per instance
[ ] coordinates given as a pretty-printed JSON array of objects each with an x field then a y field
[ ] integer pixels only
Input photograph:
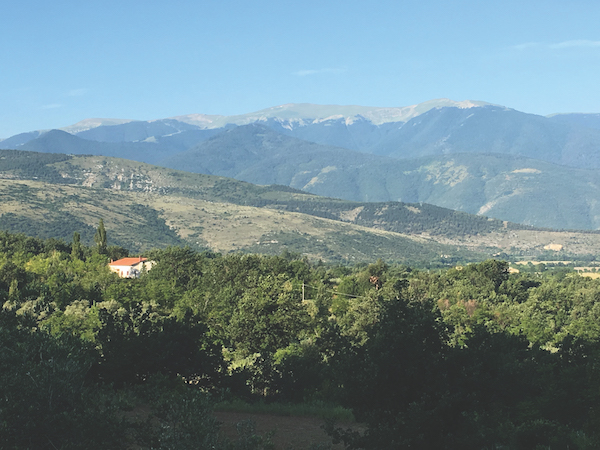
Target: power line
[{"x": 326, "y": 290}]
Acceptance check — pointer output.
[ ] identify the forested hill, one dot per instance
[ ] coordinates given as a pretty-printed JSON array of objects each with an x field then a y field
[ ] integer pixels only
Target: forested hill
[{"x": 471, "y": 357}]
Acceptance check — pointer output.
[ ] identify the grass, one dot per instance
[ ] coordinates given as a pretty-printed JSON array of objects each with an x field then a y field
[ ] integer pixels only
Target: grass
[
  {"x": 592, "y": 275},
  {"x": 315, "y": 409}
]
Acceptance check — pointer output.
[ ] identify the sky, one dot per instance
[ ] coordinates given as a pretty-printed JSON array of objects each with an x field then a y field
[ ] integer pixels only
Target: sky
[{"x": 62, "y": 62}]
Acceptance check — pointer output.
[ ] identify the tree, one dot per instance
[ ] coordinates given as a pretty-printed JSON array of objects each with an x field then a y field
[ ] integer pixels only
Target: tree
[
  {"x": 46, "y": 403},
  {"x": 76, "y": 250},
  {"x": 139, "y": 343},
  {"x": 100, "y": 238},
  {"x": 267, "y": 318}
]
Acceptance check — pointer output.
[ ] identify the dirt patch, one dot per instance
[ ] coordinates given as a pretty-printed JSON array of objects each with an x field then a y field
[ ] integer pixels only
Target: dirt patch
[
  {"x": 350, "y": 216},
  {"x": 291, "y": 432}
]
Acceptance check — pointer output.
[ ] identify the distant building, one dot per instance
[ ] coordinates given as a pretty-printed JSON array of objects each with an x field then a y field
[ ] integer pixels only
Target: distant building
[{"x": 130, "y": 267}]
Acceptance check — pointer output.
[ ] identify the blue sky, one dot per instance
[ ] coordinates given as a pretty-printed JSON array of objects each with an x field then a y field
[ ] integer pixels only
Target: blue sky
[{"x": 65, "y": 61}]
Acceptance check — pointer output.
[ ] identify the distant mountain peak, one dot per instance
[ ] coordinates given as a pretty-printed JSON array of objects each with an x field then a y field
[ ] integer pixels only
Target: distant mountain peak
[
  {"x": 200, "y": 120},
  {"x": 88, "y": 124},
  {"x": 298, "y": 114},
  {"x": 290, "y": 116}
]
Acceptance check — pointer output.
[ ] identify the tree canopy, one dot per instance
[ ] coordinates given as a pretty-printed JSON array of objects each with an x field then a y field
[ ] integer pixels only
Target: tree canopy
[{"x": 467, "y": 357}]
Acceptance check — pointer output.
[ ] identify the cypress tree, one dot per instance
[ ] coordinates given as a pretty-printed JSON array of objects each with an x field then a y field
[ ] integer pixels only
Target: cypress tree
[
  {"x": 76, "y": 251},
  {"x": 100, "y": 238}
]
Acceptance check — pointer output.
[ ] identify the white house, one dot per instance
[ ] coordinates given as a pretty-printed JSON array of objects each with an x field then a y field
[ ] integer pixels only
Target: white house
[{"x": 130, "y": 267}]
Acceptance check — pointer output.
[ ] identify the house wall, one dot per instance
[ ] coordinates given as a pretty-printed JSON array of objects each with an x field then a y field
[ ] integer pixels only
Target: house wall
[
  {"x": 125, "y": 271},
  {"x": 132, "y": 270},
  {"x": 147, "y": 264}
]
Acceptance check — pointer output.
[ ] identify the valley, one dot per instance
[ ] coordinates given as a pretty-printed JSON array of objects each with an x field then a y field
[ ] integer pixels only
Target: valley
[{"x": 300, "y": 225}]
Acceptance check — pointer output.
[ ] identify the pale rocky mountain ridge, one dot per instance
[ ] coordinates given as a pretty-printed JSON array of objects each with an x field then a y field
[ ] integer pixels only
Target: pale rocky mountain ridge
[
  {"x": 307, "y": 113},
  {"x": 297, "y": 113},
  {"x": 290, "y": 116},
  {"x": 88, "y": 124}
]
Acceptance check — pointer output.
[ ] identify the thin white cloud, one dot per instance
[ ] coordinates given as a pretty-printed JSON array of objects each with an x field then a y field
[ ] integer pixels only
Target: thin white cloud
[
  {"x": 526, "y": 46},
  {"x": 582, "y": 43},
  {"x": 307, "y": 72},
  {"x": 51, "y": 106},
  {"x": 304, "y": 73},
  {"x": 77, "y": 92}
]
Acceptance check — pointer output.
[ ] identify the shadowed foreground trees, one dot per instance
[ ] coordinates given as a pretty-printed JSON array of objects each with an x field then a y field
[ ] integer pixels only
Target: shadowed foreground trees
[
  {"x": 469, "y": 357},
  {"x": 46, "y": 403},
  {"x": 414, "y": 391},
  {"x": 490, "y": 389}
]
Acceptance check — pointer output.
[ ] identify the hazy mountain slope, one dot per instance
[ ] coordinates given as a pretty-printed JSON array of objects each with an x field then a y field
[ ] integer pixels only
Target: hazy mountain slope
[
  {"x": 493, "y": 129},
  {"x": 56, "y": 141},
  {"x": 14, "y": 142},
  {"x": 434, "y": 128},
  {"x": 506, "y": 188},
  {"x": 291, "y": 114},
  {"x": 357, "y": 134},
  {"x": 257, "y": 154},
  {"x": 267, "y": 153},
  {"x": 149, "y": 151},
  {"x": 353, "y": 127},
  {"x": 135, "y": 131},
  {"x": 511, "y": 188},
  {"x": 580, "y": 119},
  {"x": 518, "y": 189},
  {"x": 169, "y": 136},
  {"x": 19, "y": 139}
]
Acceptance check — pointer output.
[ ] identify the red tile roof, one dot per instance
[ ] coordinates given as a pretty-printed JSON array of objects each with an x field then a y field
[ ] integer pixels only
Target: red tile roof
[{"x": 128, "y": 261}]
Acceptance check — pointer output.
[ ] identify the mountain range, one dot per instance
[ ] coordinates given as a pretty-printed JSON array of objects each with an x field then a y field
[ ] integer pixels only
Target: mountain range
[
  {"x": 470, "y": 156},
  {"x": 514, "y": 188}
]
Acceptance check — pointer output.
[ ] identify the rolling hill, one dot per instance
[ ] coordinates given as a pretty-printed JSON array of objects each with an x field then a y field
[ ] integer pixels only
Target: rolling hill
[{"x": 146, "y": 206}]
